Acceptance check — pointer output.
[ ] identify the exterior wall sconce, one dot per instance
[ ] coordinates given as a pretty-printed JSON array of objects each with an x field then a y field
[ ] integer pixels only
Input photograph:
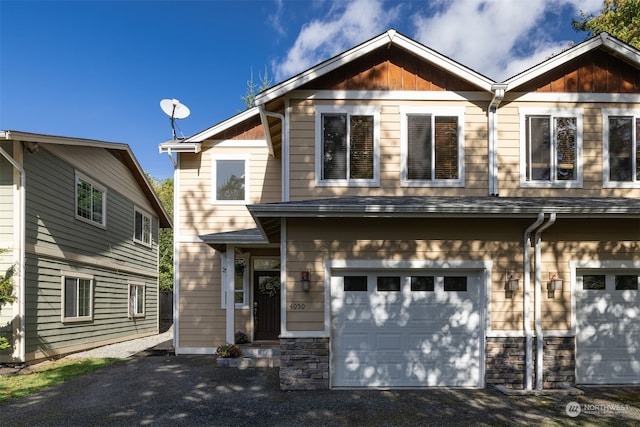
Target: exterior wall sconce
[
  {"x": 304, "y": 279},
  {"x": 555, "y": 283},
  {"x": 512, "y": 283}
]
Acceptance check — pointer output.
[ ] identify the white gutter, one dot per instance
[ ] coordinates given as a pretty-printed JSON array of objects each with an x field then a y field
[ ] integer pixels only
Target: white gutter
[
  {"x": 284, "y": 146},
  {"x": 528, "y": 359},
  {"x": 21, "y": 260},
  {"x": 176, "y": 251},
  {"x": 538, "y": 300},
  {"x": 498, "y": 95}
]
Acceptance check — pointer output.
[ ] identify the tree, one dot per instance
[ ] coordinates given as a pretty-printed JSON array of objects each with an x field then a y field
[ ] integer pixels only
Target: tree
[
  {"x": 620, "y": 18},
  {"x": 250, "y": 97},
  {"x": 164, "y": 190}
]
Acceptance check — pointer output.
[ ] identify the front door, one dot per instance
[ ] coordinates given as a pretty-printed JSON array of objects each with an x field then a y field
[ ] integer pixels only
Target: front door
[{"x": 266, "y": 305}]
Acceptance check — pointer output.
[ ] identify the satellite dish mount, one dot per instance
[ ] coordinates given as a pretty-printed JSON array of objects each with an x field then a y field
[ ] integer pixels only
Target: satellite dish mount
[{"x": 175, "y": 110}]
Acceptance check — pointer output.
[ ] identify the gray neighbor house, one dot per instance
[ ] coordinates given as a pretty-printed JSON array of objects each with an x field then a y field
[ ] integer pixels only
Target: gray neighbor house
[{"x": 79, "y": 227}]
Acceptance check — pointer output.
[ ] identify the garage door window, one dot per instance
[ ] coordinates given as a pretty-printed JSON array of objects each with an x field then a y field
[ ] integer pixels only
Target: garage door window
[
  {"x": 594, "y": 282},
  {"x": 627, "y": 282},
  {"x": 455, "y": 283},
  {"x": 389, "y": 284},
  {"x": 422, "y": 283},
  {"x": 355, "y": 283}
]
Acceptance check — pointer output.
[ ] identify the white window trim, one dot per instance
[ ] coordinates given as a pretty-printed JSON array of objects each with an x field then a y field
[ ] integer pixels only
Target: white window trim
[
  {"x": 247, "y": 181},
  {"x": 552, "y": 112},
  {"x": 98, "y": 186},
  {"x": 350, "y": 110},
  {"x": 144, "y": 214},
  {"x": 132, "y": 315},
  {"x": 75, "y": 275},
  {"x": 245, "y": 283},
  {"x": 404, "y": 150},
  {"x": 606, "y": 112}
]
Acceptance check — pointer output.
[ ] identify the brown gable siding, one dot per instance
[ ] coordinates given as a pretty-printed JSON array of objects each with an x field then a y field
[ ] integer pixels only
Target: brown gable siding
[
  {"x": 595, "y": 72},
  {"x": 389, "y": 69},
  {"x": 248, "y": 130}
]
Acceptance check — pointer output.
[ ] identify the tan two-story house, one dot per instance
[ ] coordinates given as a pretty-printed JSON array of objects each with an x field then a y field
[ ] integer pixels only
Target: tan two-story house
[{"x": 395, "y": 219}]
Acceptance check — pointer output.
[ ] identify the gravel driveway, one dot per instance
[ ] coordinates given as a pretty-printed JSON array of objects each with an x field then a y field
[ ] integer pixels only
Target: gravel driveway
[{"x": 171, "y": 390}]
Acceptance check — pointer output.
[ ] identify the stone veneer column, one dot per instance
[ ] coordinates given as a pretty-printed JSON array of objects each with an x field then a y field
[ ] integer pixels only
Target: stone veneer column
[
  {"x": 505, "y": 362},
  {"x": 304, "y": 363}
]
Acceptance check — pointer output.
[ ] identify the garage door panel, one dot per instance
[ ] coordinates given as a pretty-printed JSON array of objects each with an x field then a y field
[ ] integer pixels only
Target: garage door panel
[
  {"x": 412, "y": 339},
  {"x": 608, "y": 334}
]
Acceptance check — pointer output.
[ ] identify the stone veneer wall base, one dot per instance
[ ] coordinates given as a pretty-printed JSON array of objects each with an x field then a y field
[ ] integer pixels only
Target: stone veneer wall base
[{"x": 304, "y": 363}]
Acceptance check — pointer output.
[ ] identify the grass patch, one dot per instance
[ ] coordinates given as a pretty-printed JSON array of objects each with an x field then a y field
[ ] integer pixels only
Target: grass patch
[{"x": 15, "y": 386}]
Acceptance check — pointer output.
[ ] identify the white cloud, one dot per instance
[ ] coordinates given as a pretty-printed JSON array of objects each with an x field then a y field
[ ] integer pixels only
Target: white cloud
[
  {"x": 498, "y": 38},
  {"x": 346, "y": 25}
]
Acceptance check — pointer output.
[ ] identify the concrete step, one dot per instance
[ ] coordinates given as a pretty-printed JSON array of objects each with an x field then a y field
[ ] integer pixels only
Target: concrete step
[{"x": 259, "y": 356}]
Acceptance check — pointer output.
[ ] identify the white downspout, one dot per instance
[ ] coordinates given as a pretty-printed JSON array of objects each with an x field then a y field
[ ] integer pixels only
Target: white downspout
[
  {"x": 285, "y": 148},
  {"x": 527, "y": 301},
  {"x": 176, "y": 252},
  {"x": 538, "y": 300},
  {"x": 21, "y": 256},
  {"x": 498, "y": 95}
]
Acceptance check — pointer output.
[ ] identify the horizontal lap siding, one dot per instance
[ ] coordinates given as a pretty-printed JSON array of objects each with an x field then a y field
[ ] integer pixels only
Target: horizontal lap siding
[
  {"x": 409, "y": 239},
  {"x": 46, "y": 335},
  {"x": 509, "y": 135},
  {"x": 303, "y": 145},
  {"x": 198, "y": 215},
  {"x": 7, "y": 192},
  {"x": 52, "y": 225},
  {"x": 202, "y": 320}
]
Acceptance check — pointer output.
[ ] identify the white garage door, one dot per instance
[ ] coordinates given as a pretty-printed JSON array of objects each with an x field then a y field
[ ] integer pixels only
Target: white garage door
[
  {"x": 608, "y": 328},
  {"x": 406, "y": 330}
]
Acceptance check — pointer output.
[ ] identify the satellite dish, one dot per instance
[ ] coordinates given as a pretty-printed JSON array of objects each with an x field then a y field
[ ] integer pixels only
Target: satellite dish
[{"x": 175, "y": 110}]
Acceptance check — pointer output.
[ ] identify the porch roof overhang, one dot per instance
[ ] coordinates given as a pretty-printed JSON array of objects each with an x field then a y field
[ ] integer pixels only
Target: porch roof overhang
[
  {"x": 246, "y": 237},
  {"x": 269, "y": 215}
]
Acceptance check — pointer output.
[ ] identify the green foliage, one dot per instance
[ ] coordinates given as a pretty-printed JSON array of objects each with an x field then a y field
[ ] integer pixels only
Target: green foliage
[
  {"x": 164, "y": 190},
  {"x": 249, "y": 98},
  {"x": 241, "y": 338},
  {"x": 228, "y": 351},
  {"x": 6, "y": 284},
  {"x": 620, "y": 18},
  {"x": 19, "y": 385},
  {"x": 4, "y": 344}
]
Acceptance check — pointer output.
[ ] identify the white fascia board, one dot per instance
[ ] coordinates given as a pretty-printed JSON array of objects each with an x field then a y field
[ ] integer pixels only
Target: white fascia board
[
  {"x": 445, "y": 63},
  {"x": 222, "y": 126},
  {"x": 612, "y": 44},
  {"x": 325, "y": 67},
  {"x": 390, "y": 37},
  {"x": 180, "y": 147}
]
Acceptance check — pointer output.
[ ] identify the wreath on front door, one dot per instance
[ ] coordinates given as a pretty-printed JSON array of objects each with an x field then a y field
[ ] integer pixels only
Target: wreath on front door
[{"x": 269, "y": 286}]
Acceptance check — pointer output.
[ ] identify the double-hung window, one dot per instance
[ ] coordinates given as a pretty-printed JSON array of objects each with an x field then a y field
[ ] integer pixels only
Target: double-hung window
[
  {"x": 91, "y": 199},
  {"x": 230, "y": 179},
  {"x": 347, "y": 149},
  {"x": 142, "y": 227},
  {"x": 432, "y": 147},
  {"x": 77, "y": 297},
  {"x": 136, "y": 300},
  {"x": 621, "y": 129},
  {"x": 551, "y": 148}
]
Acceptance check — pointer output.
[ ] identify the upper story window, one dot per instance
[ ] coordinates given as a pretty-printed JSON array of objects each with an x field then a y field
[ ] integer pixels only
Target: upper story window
[
  {"x": 432, "y": 147},
  {"x": 142, "y": 227},
  {"x": 77, "y": 297},
  {"x": 91, "y": 199},
  {"x": 621, "y": 151},
  {"x": 230, "y": 179},
  {"x": 551, "y": 148},
  {"x": 347, "y": 149}
]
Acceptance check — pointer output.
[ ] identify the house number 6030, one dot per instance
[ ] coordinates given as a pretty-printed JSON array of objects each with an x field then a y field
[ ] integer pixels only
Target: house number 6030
[{"x": 296, "y": 306}]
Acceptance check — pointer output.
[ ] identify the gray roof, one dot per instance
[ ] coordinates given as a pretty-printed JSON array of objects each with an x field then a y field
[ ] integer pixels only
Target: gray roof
[{"x": 449, "y": 206}]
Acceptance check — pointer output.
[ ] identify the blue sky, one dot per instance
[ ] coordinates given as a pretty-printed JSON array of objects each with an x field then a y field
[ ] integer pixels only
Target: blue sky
[{"x": 98, "y": 69}]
